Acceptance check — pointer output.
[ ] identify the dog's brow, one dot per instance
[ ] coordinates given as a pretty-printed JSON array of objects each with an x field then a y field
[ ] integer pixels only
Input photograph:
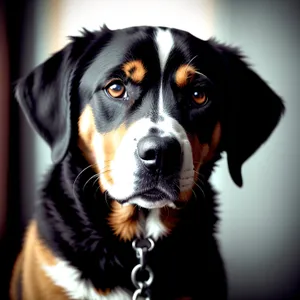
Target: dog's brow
[
  {"x": 184, "y": 75},
  {"x": 135, "y": 70}
]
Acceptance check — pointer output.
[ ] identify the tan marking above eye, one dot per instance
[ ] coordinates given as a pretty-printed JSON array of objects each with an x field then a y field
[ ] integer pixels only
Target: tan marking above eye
[
  {"x": 200, "y": 97},
  {"x": 135, "y": 70},
  {"x": 184, "y": 75},
  {"x": 116, "y": 89}
]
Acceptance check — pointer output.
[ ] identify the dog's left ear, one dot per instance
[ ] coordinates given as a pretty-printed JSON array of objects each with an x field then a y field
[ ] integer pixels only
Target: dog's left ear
[
  {"x": 251, "y": 111},
  {"x": 45, "y": 96}
]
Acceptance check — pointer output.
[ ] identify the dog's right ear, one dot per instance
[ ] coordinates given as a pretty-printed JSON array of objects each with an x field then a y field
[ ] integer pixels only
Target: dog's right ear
[{"x": 45, "y": 97}]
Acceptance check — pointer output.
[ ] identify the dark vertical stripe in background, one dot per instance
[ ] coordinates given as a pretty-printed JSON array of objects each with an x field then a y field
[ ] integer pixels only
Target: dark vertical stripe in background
[
  {"x": 18, "y": 20},
  {"x": 4, "y": 118}
]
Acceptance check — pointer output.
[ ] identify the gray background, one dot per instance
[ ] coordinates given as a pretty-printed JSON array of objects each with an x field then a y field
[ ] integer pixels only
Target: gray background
[{"x": 259, "y": 231}]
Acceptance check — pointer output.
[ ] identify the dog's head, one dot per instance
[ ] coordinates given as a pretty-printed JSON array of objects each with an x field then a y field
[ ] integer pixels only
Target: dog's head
[{"x": 150, "y": 107}]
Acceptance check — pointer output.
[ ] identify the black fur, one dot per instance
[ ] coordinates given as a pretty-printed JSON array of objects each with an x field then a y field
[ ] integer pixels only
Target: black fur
[
  {"x": 74, "y": 227},
  {"x": 72, "y": 220}
]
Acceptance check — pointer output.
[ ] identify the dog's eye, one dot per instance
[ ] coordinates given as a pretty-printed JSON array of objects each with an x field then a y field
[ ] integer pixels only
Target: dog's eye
[
  {"x": 199, "y": 96},
  {"x": 116, "y": 89}
]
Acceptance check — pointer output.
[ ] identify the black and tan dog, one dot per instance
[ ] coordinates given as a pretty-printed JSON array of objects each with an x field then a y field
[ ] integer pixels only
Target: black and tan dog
[{"x": 136, "y": 119}]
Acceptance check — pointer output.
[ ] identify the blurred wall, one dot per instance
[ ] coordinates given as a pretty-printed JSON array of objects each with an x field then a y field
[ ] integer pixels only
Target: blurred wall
[
  {"x": 259, "y": 225},
  {"x": 39, "y": 43},
  {"x": 4, "y": 119},
  {"x": 259, "y": 231}
]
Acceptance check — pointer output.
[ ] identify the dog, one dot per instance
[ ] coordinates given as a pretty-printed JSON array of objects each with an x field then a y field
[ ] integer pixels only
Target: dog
[{"x": 136, "y": 120}]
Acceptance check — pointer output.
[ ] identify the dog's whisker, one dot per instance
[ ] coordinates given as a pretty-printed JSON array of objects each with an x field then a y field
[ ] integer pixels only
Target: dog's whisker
[
  {"x": 167, "y": 211},
  {"x": 189, "y": 63},
  {"x": 199, "y": 174},
  {"x": 199, "y": 73},
  {"x": 202, "y": 178},
  {"x": 194, "y": 193},
  {"x": 99, "y": 174},
  {"x": 74, "y": 182},
  {"x": 96, "y": 175},
  {"x": 98, "y": 188},
  {"x": 201, "y": 189},
  {"x": 106, "y": 198}
]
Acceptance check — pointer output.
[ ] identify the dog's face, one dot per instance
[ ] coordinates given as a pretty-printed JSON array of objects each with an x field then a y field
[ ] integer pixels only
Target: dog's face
[
  {"x": 153, "y": 106},
  {"x": 150, "y": 116}
]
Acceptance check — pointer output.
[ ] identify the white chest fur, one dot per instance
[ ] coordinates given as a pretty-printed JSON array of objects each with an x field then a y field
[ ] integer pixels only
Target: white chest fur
[{"x": 68, "y": 278}]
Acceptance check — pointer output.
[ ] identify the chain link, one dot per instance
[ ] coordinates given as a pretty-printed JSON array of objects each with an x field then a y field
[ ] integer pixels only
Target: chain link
[
  {"x": 142, "y": 247},
  {"x": 139, "y": 293}
]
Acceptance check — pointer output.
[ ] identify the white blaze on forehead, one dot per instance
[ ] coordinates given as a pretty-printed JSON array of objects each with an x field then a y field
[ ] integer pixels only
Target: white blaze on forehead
[{"x": 165, "y": 43}]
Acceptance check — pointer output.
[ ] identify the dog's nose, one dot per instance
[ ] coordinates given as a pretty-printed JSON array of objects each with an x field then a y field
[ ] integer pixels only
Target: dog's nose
[{"x": 160, "y": 153}]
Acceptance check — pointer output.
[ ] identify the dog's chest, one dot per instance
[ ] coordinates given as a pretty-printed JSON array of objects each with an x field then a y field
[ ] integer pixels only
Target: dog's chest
[{"x": 70, "y": 278}]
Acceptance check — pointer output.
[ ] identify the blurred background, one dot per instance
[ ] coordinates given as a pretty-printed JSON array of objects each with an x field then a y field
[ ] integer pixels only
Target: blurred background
[{"x": 259, "y": 223}]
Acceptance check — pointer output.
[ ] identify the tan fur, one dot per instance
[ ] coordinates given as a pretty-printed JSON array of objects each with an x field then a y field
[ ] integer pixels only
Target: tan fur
[
  {"x": 169, "y": 217},
  {"x": 86, "y": 133},
  {"x": 215, "y": 140},
  {"x": 36, "y": 285},
  {"x": 124, "y": 221},
  {"x": 16, "y": 273},
  {"x": 135, "y": 70},
  {"x": 202, "y": 153},
  {"x": 93, "y": 144},
  {"x": 184, "y": 75}
]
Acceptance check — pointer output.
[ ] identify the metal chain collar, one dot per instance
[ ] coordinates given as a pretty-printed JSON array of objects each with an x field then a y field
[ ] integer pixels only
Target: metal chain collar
[{"x": 142, "y": 247}]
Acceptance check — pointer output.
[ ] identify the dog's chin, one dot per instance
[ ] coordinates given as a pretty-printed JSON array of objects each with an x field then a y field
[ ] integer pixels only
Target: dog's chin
[
  {"x": 145, "y": 203},
  {"x": 148, "y": 204},
  {"x": 150, "y": 198}
]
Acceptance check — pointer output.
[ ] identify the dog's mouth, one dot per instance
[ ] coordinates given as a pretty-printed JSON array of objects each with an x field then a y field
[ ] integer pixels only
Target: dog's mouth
[{"x": 151, "y": 198}]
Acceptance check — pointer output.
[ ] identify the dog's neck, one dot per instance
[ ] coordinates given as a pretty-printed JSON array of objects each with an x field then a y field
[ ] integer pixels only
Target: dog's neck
[{"x": 85, "y": 232}]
